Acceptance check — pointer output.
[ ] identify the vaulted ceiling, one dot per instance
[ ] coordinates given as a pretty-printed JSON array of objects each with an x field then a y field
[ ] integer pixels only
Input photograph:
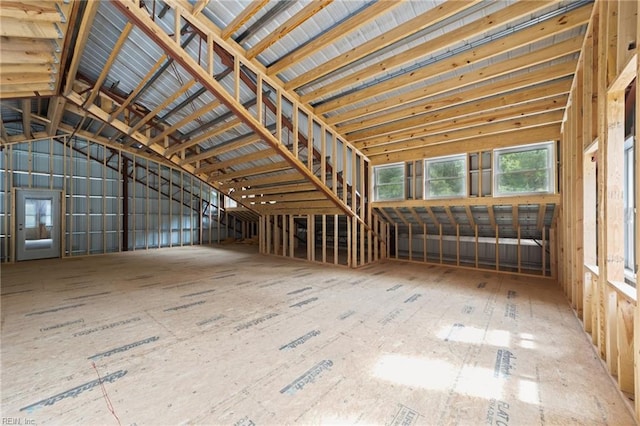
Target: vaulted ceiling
[{"x": 224, "y": 88}]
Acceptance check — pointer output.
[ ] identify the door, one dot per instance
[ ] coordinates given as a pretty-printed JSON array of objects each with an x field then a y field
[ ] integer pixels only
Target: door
[{"x": 38, "y": 224}]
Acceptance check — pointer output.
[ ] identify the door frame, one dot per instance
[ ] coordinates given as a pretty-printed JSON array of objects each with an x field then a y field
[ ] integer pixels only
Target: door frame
[{"x": 57, "y": 193}]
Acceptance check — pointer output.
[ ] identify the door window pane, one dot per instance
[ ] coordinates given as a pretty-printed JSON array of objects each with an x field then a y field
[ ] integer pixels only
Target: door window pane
[{"x": 38, "y": 223}]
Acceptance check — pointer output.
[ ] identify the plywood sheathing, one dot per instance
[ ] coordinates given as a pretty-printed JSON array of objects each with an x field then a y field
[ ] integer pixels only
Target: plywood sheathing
[{"x": 223, "y": 336}]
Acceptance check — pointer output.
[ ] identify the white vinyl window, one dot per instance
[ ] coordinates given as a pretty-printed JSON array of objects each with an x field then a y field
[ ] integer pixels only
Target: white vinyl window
[
  {"x": 388, "y": 182},
  {"x": 446, "y": 177},
  {"x": 629, "y": 211},
  {"x": 524, "y": 170}
]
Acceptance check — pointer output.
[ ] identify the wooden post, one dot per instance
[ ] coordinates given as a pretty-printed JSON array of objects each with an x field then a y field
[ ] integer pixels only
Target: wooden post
[
  {"x": 268, "y": 236},
  {"x": 497, "y": 248},
  {"x": 335, "y": 237},
  {"x": 553, "y": 253},
  {"x": 349, "y": 263},
  {"x": 276, "y": 235},
  {"x": 440, "y": 242},
  {"x": 637, "y": 221},
  {"x": 125, "y": 205},
  {"x": 457, "y": 244},
  {"x": 424, "y": 242},
  {"x": 324, "y": 238},
  {"x": 519, "y": 252},
  {"x": 476, "y": 244},
  {"x": 313, "y": 237},
  {"x": 410, "y": 242},
  {"x": 624, "y": 337},
  {"x": 292, "y": 234},
  {"x": 285, "y": 235},
  {"x": 397, "y": 239},
  {"x": 544, "y": 251},
  {"x": 588, "y": 296}
]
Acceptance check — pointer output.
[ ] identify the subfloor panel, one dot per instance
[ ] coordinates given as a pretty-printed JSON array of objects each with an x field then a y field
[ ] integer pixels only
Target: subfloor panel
[{"x": 223, "y": 335}]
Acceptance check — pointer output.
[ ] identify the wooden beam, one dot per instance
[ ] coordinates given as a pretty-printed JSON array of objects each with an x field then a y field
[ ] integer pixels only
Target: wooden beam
[
  {"x": 546, "y": 54},
  {"x": 514, "y": 217},
  {"x": 475, "y": 201},
  {"x": 3, "y": 133},
  {"x": 536, "y": 77},
  {"x": 23, "y": 11},
  {"x": 541, "y": 213},
  {"x": 246, "y": 140},
  {"x": 401, "y": 216},
  {"x": 386, "y": 215},
  {"x": 10, "y": 27},
  {"x": 516, "y": 114},
  {"x": 205, "y": 109},
  {"x": 203, "y": 137},
  {"x": 168, "y": 44},
  {"x": 153, "y": 113},
  {"x": 492, "y": 220},
  {"x": 469, "y": 213},
  {"x": 258, "y": 170},
  {"x": 113, "y": 55},
  {"x": 280, "y": 189},
  {"x": 287, "y": 178},
  {"x": 325, "y": 38},
  {"x": 452, "y": 220},
  {"x": 481, "y": 53},
  {"x": 139, "y": 87},
  {"x": 520, "y": 137},
  {"x": 474, "y": 114},
  {"x": 489, "y": 96},
  {"x": 283, "y": 198},
  {"x": 91, "y": 7},
  {"x": 432, "y": 216},
  {"x": 55, "y": 113},
  {"x": 200, "y": 4},
  {"x": 241, "y": 159},
  {"x": 25, "y": 57},
  {"x": 246, "y": 14},
  {"x": 426, "y": 139},
  {"x": 428, "y": 18},
  {"x": 26, "y": 118},
  {"x": 285, "y": 28},
  {"x": 416, "y": 216}
]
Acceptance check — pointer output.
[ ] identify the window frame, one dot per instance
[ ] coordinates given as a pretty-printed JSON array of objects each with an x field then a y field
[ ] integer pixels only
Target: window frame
[
  {"x": 375, "y": 170},
  {"x": 551, "y": 168},
  {"x": 426, "y": 188},
  {"x": 629, "y": 176}
]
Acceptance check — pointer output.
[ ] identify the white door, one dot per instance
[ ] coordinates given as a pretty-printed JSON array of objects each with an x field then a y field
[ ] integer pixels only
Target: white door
[{"x": 38, "y": 224}]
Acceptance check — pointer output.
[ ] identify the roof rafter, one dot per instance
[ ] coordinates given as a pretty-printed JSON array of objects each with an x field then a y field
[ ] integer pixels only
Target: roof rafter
[
  {"x": 430, "y": 47},
  {"x": 325, "y": 38},
  {"x": 428, "y": 18},
  {"x": 307, "y": 12}
]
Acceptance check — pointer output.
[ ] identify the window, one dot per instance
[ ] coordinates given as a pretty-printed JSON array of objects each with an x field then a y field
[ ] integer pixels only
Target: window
[
  {"x": 389, "y": 182},
  {"x": 37, "y": 212},
  {"x": 446, "y": 177},
  {"x": 524, "y": 170},
  {"x": 230, "y": 203},
  {"x": 629, "y": 210}
]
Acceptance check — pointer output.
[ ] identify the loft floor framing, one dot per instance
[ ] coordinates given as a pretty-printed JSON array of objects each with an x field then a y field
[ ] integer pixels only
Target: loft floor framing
[{"x": 223, "y": 335}]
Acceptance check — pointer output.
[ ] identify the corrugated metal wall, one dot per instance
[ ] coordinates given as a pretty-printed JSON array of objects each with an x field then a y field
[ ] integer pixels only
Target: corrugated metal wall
[
  {"x": 447, "y": 251},
  {"x": 166, "y": 206}
]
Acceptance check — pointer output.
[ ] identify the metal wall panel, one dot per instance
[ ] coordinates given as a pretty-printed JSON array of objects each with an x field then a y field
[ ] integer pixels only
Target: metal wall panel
[{"x": 165, "y": 204}]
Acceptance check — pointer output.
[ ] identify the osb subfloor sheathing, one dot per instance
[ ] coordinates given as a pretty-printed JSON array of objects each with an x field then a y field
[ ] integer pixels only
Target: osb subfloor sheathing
[{"x": 222, "y": 335}]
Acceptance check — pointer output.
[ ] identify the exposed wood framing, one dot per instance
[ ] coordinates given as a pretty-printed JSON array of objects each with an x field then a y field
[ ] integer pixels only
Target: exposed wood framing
[{"x": 598, "y": 292}]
